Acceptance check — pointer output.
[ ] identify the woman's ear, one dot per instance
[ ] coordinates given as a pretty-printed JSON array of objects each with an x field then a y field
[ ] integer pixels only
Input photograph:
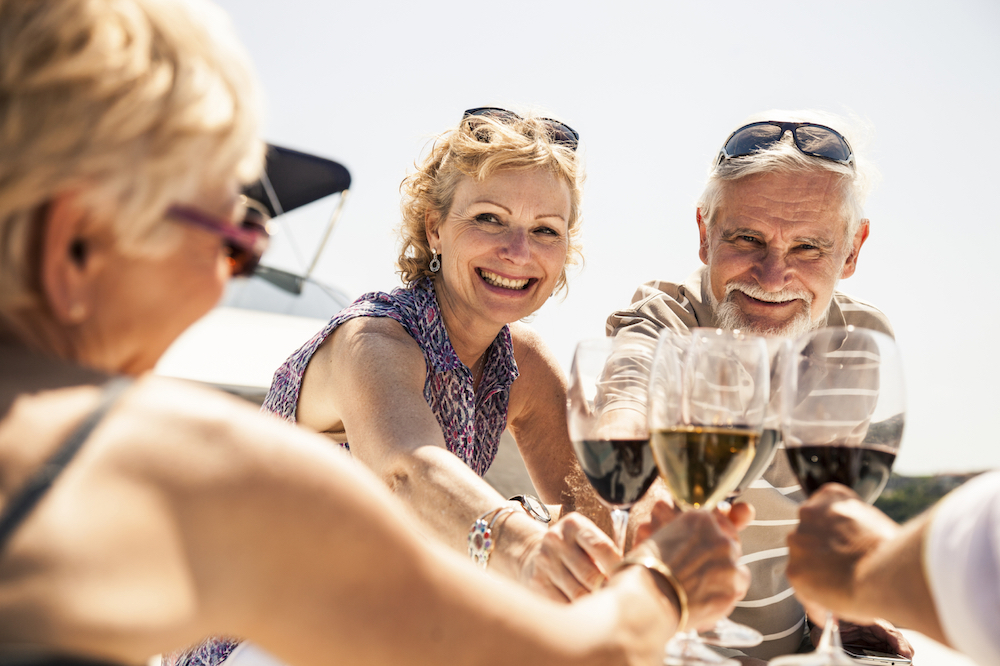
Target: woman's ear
[
  {"x": 67, "y": 261},
  {"x": 431, "y": 219}
]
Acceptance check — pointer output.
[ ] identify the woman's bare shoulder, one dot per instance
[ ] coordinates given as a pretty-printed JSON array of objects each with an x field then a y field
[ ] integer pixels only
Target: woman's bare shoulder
[
  {"x": 533, "y": 356},
  {"x": 366, "y": 339},
  {"x": 166, "y": 414},
  {"x": 539, "y": 374}
]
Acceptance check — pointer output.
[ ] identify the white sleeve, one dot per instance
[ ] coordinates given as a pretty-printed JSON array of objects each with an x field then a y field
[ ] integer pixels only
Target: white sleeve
[{"x": 962, "y": 565}]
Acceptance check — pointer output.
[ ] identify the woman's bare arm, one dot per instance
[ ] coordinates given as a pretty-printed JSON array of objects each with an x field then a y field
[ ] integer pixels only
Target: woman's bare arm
[
  {"x": 188, "y": 514},
  {"x": 372, "y": 374}
]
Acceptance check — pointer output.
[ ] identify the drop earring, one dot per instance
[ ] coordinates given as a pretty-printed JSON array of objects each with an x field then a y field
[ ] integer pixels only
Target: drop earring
[{"x": 435, "y": 264}]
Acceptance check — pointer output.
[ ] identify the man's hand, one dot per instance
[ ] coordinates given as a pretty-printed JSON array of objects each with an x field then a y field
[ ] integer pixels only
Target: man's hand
[
  {"x": 880, "y": 636},
  {"x": 827, "y": 550}
]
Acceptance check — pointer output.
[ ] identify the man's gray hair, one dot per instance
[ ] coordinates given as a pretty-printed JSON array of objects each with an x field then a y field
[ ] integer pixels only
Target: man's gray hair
[{"x": 783, "y": 156}]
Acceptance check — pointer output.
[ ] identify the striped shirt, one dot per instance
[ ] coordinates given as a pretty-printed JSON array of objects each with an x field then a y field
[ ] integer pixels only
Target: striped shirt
[{"x": 770, "y": 605}]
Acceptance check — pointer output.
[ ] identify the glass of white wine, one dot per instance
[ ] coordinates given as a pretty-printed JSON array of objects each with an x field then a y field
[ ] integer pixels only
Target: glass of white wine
[{"x": 708, "y": 397}]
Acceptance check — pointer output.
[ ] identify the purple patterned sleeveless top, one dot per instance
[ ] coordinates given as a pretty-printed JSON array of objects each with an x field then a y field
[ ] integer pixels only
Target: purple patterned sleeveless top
[{"x": 471, "y": 420}]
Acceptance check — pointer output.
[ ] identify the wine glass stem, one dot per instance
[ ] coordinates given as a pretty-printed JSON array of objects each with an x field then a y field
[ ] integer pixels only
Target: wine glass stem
[
  {"x": 619, "y": 525},
  {"x": 829, "y": 642}
]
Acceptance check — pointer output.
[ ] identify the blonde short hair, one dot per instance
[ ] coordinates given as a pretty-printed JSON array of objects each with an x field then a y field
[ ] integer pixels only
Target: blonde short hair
[
  {"x": 479, "y": 147},
  {"x": 131, "y": 105}
]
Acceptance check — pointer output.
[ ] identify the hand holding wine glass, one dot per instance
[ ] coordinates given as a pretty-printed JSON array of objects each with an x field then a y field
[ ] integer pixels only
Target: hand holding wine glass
[
  {"x": 708, "y": 397},
  {"x": 842, "y": 416}
]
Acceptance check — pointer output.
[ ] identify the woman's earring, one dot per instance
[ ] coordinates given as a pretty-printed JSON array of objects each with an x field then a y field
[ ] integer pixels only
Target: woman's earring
[{"x": 435, "y": 264}]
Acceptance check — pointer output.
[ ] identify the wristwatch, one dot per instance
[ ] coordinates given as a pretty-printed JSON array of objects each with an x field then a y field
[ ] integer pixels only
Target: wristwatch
[{"x": 534, "y": 507}]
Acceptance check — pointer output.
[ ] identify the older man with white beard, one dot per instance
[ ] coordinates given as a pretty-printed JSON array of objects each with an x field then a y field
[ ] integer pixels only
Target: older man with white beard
[{"x": 780, "y": 223}]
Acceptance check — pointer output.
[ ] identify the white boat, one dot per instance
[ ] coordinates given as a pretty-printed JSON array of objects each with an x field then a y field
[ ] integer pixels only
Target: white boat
[{"x": 263, "y": 319}]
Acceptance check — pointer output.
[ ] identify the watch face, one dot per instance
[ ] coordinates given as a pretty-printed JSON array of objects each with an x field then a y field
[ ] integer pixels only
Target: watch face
[{"x": 534, "y": 507}]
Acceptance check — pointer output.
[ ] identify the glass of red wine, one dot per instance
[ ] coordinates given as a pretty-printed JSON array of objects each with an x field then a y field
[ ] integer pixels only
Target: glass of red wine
[
  {"x": 708, "y": 397},
  {"x": 606, "y": 414},
  {"x": 843, "y": 408}
]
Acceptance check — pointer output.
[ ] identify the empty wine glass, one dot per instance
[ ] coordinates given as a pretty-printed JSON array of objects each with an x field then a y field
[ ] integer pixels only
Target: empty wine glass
[
  {"x": 606, "y": 414},
  {"x": 842, "y": 416},
  {"x": 708, "y": 397}
]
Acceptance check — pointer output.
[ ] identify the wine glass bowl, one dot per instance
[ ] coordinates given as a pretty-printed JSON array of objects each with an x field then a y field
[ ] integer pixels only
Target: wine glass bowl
[
  {"x": 606, "y": 415},
  {"x": 708, "y": 398},
  {"x": 843, "y": 409}
]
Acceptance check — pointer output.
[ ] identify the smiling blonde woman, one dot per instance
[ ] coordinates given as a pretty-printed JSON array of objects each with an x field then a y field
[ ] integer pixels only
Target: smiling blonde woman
[{"x": 420, "y": 383}]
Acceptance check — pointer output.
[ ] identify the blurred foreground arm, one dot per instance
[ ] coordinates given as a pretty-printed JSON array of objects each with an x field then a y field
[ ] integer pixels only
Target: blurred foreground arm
[{"x": 938, "y": 574}]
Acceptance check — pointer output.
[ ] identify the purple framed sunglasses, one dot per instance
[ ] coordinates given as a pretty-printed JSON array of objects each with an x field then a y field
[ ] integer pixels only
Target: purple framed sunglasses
[{"x": 245, "y": 243}]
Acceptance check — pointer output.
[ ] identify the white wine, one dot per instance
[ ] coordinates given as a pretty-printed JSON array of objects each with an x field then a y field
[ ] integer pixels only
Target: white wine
[{"x": 702, "y": 465}]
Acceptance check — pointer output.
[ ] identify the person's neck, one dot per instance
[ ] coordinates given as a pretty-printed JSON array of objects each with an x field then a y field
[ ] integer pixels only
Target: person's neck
[
  {"x": 469, "y": 337},
  {"x": 41, "y": 343},
  {"x": 25, "y": 370},
  {"x": 34, "y": 330}
]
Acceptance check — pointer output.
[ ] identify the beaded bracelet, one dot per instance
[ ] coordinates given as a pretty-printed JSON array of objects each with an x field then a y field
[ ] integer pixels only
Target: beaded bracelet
[
  {"x": 654, "y": 564},
  {"x": 481, "y": 537}
]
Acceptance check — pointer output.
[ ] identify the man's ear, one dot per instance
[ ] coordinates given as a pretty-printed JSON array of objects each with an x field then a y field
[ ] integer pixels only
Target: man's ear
[
  {"x": 851, "y": 263},
  {"x": 67, "y": 265},
  {"x": 703, "y": 237},
  {"x": 431, "y": 218}
]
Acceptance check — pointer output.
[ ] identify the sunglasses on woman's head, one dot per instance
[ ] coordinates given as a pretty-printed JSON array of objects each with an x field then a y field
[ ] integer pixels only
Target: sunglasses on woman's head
[
  {"x": 811, "y": 139},
  {"x": 558, "y": 132},
  {"x": 245, "y": 243}
]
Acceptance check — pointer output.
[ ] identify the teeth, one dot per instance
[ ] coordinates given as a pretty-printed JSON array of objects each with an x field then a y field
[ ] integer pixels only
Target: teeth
[{"x": 498, "y": 281}]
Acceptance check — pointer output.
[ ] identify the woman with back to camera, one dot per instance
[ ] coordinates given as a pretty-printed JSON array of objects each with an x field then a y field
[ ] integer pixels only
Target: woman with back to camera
[
  {"x": 421, "y": 382},
  {"x": 139, "y": 514}
]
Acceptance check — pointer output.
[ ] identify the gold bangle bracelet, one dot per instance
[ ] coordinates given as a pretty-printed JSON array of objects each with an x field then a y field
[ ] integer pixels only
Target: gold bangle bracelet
[{"x": 656, "y": 565}]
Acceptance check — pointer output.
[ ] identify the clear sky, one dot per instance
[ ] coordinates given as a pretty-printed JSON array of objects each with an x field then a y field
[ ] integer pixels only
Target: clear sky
[{"x": 654, "y": 88}]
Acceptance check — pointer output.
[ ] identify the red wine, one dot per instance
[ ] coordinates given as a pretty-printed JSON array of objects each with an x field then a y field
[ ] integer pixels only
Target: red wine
[
  {"x": 620, "y": 470},
  {"x": 702, "y": 465},
  {"x": 865, "y": 471}
]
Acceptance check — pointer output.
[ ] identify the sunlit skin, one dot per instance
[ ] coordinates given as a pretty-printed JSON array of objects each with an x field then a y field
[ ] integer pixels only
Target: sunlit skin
[
  {"x": 514, "y": 225},
  {"x": 780, "y": 231},
  {"x": 185, "y": 275}
]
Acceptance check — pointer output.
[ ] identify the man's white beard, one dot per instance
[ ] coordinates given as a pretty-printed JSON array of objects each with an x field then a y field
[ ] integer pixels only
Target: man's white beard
[{"x": 729, "y": 317}]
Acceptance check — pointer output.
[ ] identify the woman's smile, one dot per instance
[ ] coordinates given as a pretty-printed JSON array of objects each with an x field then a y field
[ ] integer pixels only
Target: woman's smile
[{"x": 495, "y": 280}]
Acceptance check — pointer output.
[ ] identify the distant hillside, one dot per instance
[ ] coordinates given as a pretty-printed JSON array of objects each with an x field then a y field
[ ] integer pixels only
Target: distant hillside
[{"x": 907, "y": 496}]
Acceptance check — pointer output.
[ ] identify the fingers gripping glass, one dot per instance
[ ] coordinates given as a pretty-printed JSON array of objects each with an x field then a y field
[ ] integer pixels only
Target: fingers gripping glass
[
  {"x": 558, "y": 132},
  {"x": 245, "y": 243},
  {"x": 811, "y": 139}
]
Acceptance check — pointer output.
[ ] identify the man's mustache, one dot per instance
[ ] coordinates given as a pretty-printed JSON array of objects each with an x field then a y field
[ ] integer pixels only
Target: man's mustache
[{"x": 754, "y": 291}]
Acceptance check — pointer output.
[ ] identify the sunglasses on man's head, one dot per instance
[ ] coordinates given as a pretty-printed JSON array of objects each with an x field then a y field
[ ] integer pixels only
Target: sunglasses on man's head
[
  {"x": 558, "y": 132},
  {"x": 811, "y": 139},
  {"x": 245, "y": 243}
]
